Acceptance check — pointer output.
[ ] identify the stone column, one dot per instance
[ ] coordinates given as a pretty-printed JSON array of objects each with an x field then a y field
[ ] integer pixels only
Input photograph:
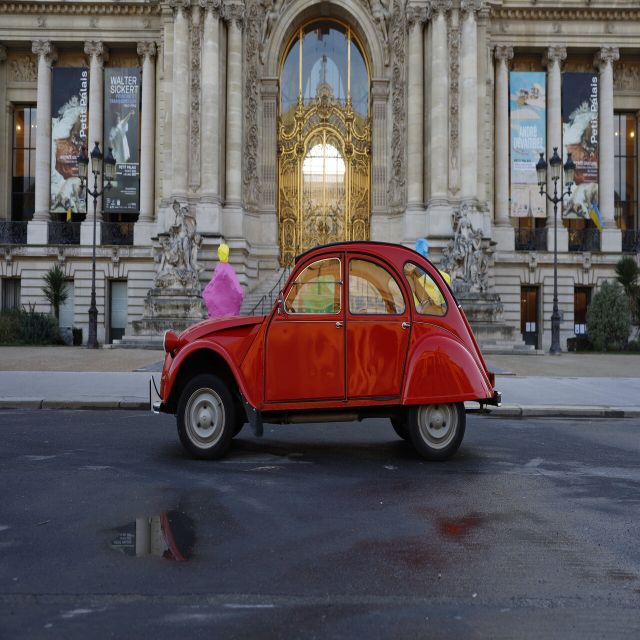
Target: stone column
[
  {"x": 553, "y": 59},
  {"x": 180, "y": 99},
  {"x": 47, "y": 55},
  {"x": 415, "y": 91},
  {"x": 147, "y": 51},
  {"x": 503, "y": 54},
  {"x": 98, "y": 54},
  {"x": 439, "y": 213},
  {"x": 210, "y": 100},
  {"x": 611, "y": 235},
  {"x": 380, "y": 159},
  {"x": 4, "y": 126},
  {"x": 233, "y": 13},
  {"x": 469, "y": 102}
]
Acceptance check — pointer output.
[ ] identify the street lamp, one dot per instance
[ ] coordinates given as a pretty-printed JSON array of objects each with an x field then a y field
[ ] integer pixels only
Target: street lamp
[
  {"x": 569, "y": 170},
  {"x": 109, "y": 174}
]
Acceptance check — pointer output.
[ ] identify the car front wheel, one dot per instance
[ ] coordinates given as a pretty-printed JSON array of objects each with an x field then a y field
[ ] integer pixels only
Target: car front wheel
[
  {"x": 206, "y": 417},
  {"x": 436, "y": 430}
]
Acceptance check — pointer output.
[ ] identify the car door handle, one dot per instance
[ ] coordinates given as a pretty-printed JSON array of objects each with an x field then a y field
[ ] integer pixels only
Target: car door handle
[
  {"x": 338, "y": 325},
  {"x": 406, "y": 325}
]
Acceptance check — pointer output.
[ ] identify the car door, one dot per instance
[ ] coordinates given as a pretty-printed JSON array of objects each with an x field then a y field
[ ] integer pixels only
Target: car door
[
  {"x": 378, "y": 330},
  {"x": 305, "y": 341}
]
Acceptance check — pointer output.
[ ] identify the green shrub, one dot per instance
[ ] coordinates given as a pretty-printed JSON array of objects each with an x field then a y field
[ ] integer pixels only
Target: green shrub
[
  {"x": 19, "y": 326},
  {"x": 55, "y": 288},
  {"x": 628, "y": 275},
  {"x": 609, "y": 318}
]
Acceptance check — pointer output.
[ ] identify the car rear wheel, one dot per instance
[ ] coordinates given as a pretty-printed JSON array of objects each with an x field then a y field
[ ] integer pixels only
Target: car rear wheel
[
  {"x": 206, "y": 417},
  {"x": 436, "y": 430},
  {"x": 400, "y": 427}
]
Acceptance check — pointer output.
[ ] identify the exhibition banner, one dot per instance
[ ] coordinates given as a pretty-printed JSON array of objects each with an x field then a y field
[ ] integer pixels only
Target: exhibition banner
[
  {"x": 580, "y": 138},
  {"x": 122, "y": 134},
  {"x": 69, "y": 129},
  {"x": 528, "y": 135}
]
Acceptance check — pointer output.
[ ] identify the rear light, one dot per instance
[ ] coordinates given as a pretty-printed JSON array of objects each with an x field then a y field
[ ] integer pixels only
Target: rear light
[{"x": 170, "y": 341}]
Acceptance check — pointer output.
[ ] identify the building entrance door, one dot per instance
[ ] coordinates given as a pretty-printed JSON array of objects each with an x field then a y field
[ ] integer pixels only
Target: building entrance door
[
  {"x": 529, "y": 312},
  {"x": 324, "y": 141}
]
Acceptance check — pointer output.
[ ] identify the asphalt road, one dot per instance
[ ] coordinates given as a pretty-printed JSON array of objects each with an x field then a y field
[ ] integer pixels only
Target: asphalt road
[{"x": 317, "y": 531}]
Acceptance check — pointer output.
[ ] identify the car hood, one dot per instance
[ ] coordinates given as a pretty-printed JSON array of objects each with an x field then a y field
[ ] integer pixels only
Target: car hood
[{"x": 218, "y": 325}]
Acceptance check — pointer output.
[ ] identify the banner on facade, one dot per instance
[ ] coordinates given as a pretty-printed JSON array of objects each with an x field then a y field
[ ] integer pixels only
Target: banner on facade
[
  {"x": 69, "y": 129},
  {"x": 121, "y": 133},
  {"x": 580, "y": 138},
  {"x": 528, "y": 139}
]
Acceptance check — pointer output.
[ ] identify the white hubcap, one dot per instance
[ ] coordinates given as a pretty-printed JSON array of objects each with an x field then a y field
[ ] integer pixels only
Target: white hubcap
[
  {"x": 438, "y": 424},
  {"x": 205, "y": 417}
]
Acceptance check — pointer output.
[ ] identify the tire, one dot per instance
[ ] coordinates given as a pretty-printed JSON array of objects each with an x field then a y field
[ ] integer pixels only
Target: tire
[
  {"x": 401, "y": 428},
  {"x": 436, "y": 430},
  {"x": 206, "y": 417}
]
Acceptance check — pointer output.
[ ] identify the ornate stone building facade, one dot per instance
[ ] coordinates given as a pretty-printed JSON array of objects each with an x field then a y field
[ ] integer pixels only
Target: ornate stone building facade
[{"x": 282, "y": 124}]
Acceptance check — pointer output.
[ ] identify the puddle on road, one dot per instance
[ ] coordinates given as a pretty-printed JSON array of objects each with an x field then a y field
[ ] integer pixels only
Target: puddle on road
[{"x": 170, "y": 535}]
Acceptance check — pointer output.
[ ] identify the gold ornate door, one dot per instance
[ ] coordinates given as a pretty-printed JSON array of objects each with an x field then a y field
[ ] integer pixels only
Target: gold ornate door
[{"x": 324, "y": 151}]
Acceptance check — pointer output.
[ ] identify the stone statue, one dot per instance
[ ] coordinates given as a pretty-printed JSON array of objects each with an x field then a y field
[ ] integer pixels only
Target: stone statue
[
  {"x": 380, "y": 10},
  {"x": 273, "y": 9},
  {"x": 178, "y": 266},
  {"x": 464, "y": 258}
]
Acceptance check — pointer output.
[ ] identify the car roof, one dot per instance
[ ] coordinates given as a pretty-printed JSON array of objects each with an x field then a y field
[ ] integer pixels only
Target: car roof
[{"x": 360, "y": 244}]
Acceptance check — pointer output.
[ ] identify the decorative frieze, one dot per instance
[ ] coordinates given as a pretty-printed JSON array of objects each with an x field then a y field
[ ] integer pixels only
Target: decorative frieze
[{"x": 81, "y": 8}]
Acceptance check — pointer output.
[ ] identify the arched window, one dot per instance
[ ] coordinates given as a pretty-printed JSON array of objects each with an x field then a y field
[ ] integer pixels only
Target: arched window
[{"x": 324, "y": 57}]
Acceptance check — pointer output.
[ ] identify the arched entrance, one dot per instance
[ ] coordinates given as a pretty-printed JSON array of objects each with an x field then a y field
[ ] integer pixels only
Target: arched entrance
[{"x": 324, "y": 140}]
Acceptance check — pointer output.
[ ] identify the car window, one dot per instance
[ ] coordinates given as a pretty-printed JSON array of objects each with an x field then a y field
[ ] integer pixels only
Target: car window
[
  {"x": 318, "y": 289},
  {"x": 427, "y": 296},
  {"x": 373, "y": 290}
]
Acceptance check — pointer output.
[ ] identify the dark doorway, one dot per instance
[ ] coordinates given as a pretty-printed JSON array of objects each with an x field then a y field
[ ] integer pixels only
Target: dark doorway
[{"x": 529, "y": 314}]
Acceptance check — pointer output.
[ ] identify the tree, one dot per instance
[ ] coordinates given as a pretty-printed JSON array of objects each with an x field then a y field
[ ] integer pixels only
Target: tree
[
  {"x": 609, "y": 318},
  {"x": 628, "y": 275},
  {"x": 55, "y": 289}
]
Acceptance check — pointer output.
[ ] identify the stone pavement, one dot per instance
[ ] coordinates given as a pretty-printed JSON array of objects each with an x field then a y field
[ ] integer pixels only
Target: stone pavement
[{"x": 589, "y": 385}]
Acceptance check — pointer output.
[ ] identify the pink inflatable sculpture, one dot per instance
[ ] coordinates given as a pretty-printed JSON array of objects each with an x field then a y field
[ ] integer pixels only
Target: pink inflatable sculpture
[{"x": 223, "y": 295}]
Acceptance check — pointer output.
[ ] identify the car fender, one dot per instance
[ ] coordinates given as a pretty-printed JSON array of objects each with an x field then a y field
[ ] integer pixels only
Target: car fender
[
  {"x": 441, "y": 369},
  {"x": 215, "y": 348}
]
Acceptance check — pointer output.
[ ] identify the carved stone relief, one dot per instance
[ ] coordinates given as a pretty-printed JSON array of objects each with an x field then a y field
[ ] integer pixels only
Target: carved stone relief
[
  {"x": 254, "y": 17},
  {"x": 196, "y": 46},
  {"x": 626, "y": 76},
  {"x": 396, "y": 191},
  {"x": 24, "y": 69},
  {"x": 454, "y": 102}
]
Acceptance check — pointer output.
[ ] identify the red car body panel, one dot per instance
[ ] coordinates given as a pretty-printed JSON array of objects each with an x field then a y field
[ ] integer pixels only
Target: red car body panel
[{"x": 298, "y": 361}]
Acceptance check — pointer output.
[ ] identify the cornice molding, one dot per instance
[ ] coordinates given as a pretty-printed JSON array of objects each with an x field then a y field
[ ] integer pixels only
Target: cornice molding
[
  {"x": 556, "y": 13},
  {"x": 81, "y": 8}
]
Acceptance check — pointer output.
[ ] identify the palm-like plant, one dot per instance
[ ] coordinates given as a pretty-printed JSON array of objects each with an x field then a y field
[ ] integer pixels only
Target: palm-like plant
[{"x": 55, "y": 289}]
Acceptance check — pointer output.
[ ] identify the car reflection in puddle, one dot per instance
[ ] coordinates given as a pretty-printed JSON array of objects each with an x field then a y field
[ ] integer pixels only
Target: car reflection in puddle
[{"x": 170, "y": 535}]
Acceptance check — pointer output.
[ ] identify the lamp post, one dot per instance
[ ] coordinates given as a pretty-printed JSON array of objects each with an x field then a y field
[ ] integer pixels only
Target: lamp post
[
  {"x": 569, "y": 169},
  {"x": 109, "y": 174}
]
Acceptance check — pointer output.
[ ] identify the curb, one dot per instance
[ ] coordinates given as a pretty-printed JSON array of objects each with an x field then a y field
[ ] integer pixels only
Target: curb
[{"x": 505, "y": 411}]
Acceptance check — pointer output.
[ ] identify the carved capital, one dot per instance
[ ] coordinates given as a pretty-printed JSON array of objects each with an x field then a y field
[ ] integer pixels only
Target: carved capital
[
  {"x": 472, "y": 6},
  {"x": 439, "y": 7},
  {"x": 211, "y": 5},
  {"x": 44, "y": 49},
  {"x": 146, "y": 50},
  {"x": 3, "y": 53},
  {"x": 504, "y": 53},
  {"x": 180, "y": 7},
  {"x": 553, "y": 54},
  {"x": 416, "y": 15},
  {"x": 606, "y": 56},
  {"x": 96, "y": 49},
  {"x": 233, "y": 11}
]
